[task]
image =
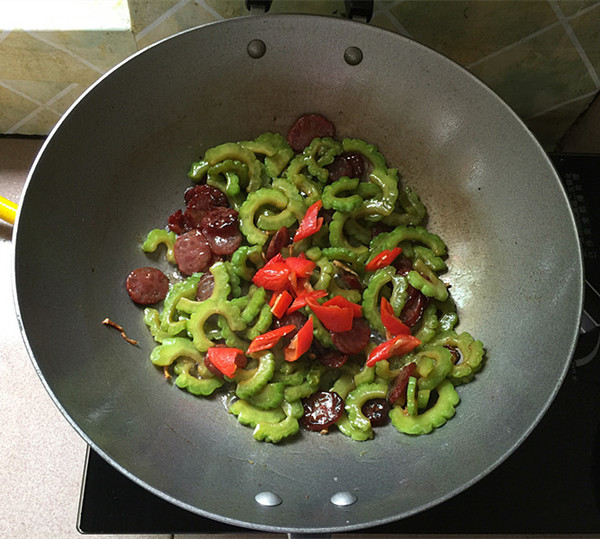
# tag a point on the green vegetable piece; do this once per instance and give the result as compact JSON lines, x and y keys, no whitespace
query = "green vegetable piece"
{"x":251,"y":415}
{"x":258,"y":297}
{"x":419,"y":234}
{"x":320,"y":153}
{"x":152,"y":320}
{"x":427,"y":281}
{"x":262,"y":324}
{"x":203,"y":312}
{"x":275,"y":432}
{"x":322,"y":334}
{"x":355,"y":400}
{"x":346,"y":256}
{"x":320,"y":279}
{"x":368,"y":190}
{"x":270,"y":396}
{"x":303,"y":183}
{"x":231,"y":338}
{"x":355,"y":296}
{"x":276,"y":149}
{"x":222,"y":289}
{"x":386,"y":179}
{"x":409,"y":201}
{"x":471,"y":355}
{"x":308,"y":387}
{"x":343,"y":385}
{"x":236,"y":152}
{"x":366,"y":375}
{"x":423,"y":398}
{"x":333,"y":200}
{"x":198,"y":170}
{"x":358,"y":231}
{"x":229,"y":176}
{"x":243,"y":257}
{"x":429,"y":324}
{"x":434,"y":363}
{"x":160,"y":236}
{"x":170,"y":318}
{"x":371,"y":295}
{"x":261,"y":375}
{"x":173,"y":348}
{"x":412,"y":407}
{"x":265,"y":197}
{"x":205,"y":385}
{"x":345,"y":427}
{"x":434,"y":417}
{"x":425,"y":254}
{"x":337,"y":236}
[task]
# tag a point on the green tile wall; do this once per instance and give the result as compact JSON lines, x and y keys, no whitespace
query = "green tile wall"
{"x":541,"y":56}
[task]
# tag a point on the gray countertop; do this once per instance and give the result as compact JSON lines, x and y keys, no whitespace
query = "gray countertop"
{"x":43,"y":456}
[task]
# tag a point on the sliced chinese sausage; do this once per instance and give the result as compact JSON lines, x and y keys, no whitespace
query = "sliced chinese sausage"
{"x":376,"y":411}
{"x":206,"y":287}
{"x":280,"y":239}
{"x":205,"y":197}
{"x":192,"y":252}
{"x":355,"y":340}
{"x":349,"y":164}
{"x":220,"y":227}
{"x":332,"y":358}
{"x":321,"y":410}
{"x":308,"y":127}
{"x":146,"y":286}
{"x":177,"y":223}
{"x":413,"y":308}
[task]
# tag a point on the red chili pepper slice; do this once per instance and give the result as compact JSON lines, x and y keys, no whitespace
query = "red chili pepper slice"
{"x":391,"y":322}
{"x":226,"y":360}
{"x":311,"y":223}
{"x":334,"y":318}
{"x":398,"y":346}
{"x":281,"y":303}
{"x":300,"y":343}
{"x":272,"y":276}
{"x":300,"y":301}
{"x":300,"y":265}
{"x":269,"y":339}
{"x":341,"y":301}
{"x":383,"y":259}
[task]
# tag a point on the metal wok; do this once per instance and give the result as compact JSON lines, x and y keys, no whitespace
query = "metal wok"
{"x":116,"y":166}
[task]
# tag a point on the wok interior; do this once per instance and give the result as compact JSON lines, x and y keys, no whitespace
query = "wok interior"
{"x":118,"y":165}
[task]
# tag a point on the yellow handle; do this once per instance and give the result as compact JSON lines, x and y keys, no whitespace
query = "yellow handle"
{"x":8,"y":210}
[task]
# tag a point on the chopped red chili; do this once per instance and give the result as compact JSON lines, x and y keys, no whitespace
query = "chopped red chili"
{"x":282,"y":300}
{"x":226,"y":360}
{"x":311,"y":223}
{"x":397,"y":346}
{"x":334,"y":318}
{"x":383,"y":259}
{"x":300,"y":343}
{"x":393,"y":325}
{"x":341,"y":301}
{"x":269,"y":339}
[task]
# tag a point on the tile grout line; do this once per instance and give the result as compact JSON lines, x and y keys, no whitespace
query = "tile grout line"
{"x":562,"y":104}
{"x":160,"y":19}
{"x":576,"y":43}
{"x":47,"y":41}
{"x":41,"y":107}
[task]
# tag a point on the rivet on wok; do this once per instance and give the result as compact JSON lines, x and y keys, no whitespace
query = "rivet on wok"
{"x":256,"y":49}
{"x":343,"y":498}
{"x":268,"y":499}
{"x":353,"y":56}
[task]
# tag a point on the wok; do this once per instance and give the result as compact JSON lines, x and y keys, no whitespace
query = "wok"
{"x":115,"y":167}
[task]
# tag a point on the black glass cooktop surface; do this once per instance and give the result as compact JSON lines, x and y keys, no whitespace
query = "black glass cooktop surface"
{"x":551,"y":484}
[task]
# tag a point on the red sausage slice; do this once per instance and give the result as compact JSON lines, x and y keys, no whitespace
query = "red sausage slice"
{"x":355,"y":340}
{"x":220,"y":227}
{"x":146,"y":286}
{"x":192,"y":252}
{"x":308,"y":127}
